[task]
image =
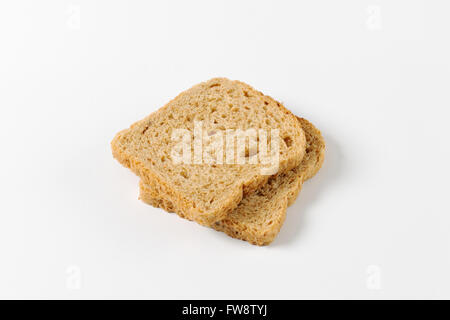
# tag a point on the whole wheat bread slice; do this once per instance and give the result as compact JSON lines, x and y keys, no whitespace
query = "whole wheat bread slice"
{"x":203,"y":192}
{"x":259,"y":216}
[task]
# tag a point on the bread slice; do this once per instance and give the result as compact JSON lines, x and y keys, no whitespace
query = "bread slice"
{"x":207,"y":192}
{"x":259,"y":217}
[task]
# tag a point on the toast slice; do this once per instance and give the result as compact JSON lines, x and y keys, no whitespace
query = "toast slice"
{"x":259,"y":217}
{"x":207,"y":191}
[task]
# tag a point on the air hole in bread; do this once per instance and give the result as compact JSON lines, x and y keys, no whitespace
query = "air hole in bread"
{"x":184,"y":174}
{"x":287,"y":141}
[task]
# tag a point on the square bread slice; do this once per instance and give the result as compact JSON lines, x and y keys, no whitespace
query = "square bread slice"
{"x":259,"y":216}
{"x":203,"y":191}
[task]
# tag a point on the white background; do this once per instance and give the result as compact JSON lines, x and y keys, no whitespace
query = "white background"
{"x":374,"y":76}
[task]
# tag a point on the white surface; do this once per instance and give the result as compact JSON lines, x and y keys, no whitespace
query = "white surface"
{"x":374,"y":76}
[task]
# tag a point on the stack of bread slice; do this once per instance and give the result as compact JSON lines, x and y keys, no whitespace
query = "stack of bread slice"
{"x":230,"y":189}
